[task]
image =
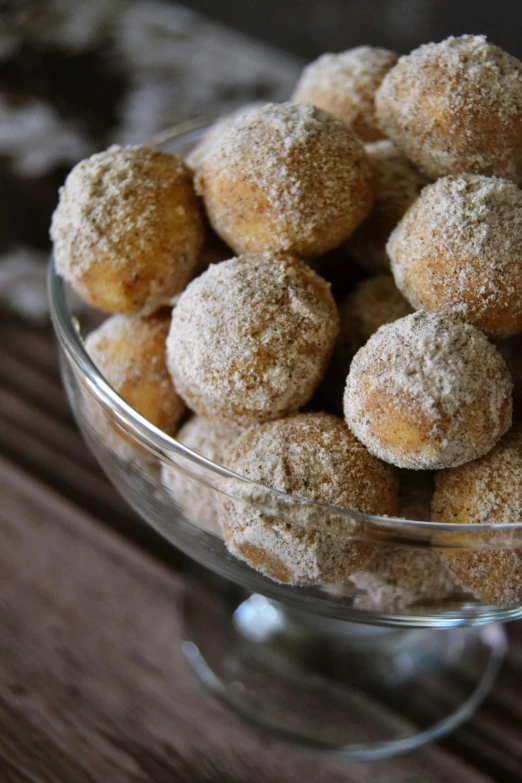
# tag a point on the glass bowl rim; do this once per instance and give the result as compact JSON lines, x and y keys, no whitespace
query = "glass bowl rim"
{"x":161,"y":445}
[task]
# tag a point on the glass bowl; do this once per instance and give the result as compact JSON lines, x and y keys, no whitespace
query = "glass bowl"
{"x":377,"y":665}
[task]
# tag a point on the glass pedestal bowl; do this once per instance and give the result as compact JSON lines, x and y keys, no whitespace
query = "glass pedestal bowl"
{"x":375,"y":666}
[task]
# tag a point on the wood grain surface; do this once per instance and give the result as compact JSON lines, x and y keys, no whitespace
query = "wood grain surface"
{"x":93,"y":685}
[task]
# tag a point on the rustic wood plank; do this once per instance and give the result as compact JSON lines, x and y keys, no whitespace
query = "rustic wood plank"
{"x":47,"y":428}
{"x":86,"y":488}
{"x":37,"y":345}
{"x":27,"y":380}
{"x":59,"y":468}
{"x":93,"y":686}
{"x":491,"y":741}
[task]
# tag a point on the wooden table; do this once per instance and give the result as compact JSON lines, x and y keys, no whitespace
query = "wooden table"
{"x":93,"y":686}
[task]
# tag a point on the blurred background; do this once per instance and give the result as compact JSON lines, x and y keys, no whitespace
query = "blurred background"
{"x":308,"y":28}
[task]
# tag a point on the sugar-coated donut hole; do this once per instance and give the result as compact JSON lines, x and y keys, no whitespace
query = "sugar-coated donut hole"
{"x":129,"y":351}
{"x":428,"y":392}
{"x":210,"y":440}
{"x":251,"y":338}
{"x":487,"y":490}
{"x":128,"y":230}
{"x":285,"y":177}
{"x":344,"y":84}
{"x":372,"y":303}
{"x":455,"y":107}
{"x":398,"y":578}
{"x":458,"y":251}
{"x":313,"y":456}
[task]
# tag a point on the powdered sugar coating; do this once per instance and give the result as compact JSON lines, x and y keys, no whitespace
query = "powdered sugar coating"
{"x":397,"y":185}
{"x":455,"y":107}
{"x":312,"y":456}
{"x":197,"y":155}
{"x":210,"y":439}
{"x":285,"y":177}
{"x":344,"y":84}
{"x":250,"y":338}
{"x":458,"y":251}
{"x":484,"y":491}
{"x":127,"y":231}
{"x":129,"y":351}
{"x":428,"y":392}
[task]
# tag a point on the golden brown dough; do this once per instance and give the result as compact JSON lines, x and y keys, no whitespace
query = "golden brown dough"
{"x":129,"y":351}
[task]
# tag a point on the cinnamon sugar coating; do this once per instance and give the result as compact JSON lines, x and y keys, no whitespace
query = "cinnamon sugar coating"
{"x":312,"y":456}
{"x":251,"y":338}
{"x":205,"y":144}
{"x":455,"y":107}
{"x":487,"y":490}
{"x":428,"y":392}
{"x":209,"y":439}
{"x":344,"y":84}
{"x":129,"y":351}
{"x":458,"y":251}
{"x":397,"y":185}
{"x":285,"y":177}
{"x":128,"y":231}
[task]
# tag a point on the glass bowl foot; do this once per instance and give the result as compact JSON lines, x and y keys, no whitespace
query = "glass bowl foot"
{"x":354,"y":690}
